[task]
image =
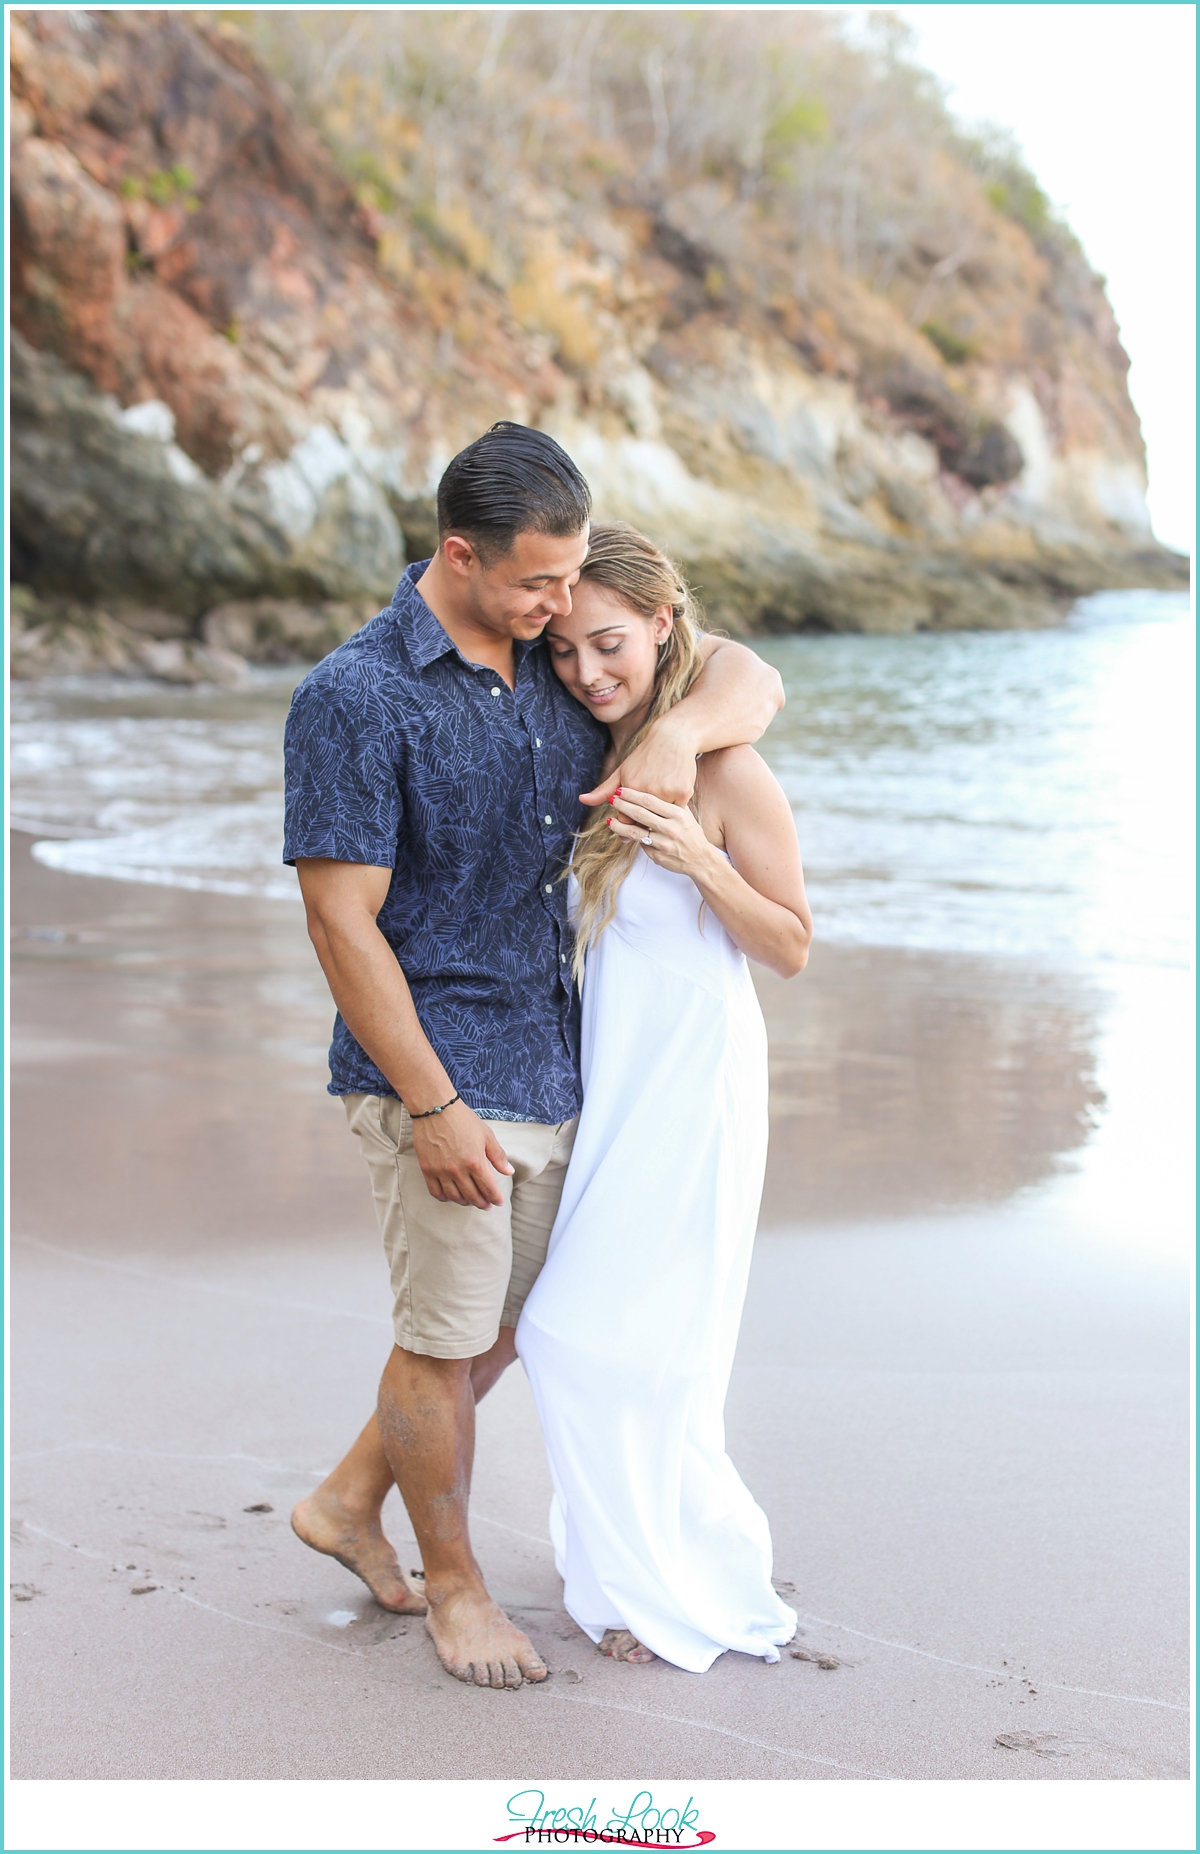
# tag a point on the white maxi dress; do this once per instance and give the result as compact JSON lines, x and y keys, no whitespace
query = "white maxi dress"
{"x":628,"y":1335}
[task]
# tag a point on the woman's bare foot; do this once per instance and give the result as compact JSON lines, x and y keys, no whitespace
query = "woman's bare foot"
{"x":324,"y":1522}
{"x":620,"y":1645}
{"x":475,"y":1641}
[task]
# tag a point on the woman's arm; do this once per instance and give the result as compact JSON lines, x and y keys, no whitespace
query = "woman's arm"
{"x":758,"y":896}
{"x":733,"y":700}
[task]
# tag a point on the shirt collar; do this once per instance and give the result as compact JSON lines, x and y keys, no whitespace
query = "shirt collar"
{"x":426,"y":639}
{"x":423,"y":635}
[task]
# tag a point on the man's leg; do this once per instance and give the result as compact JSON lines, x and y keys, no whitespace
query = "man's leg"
{"x":474,"y":1638}
{"x":343,"y":1516}
{"x":489,"y":1367}
{"x":446,"y":1263}
{"x":427,"y":1423}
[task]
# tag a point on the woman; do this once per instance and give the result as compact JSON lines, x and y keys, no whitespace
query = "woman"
{"x":629,"y":1333}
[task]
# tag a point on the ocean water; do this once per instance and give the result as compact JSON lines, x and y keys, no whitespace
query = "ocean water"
{"x":1020,"y":793}
{"x":1000,"y":792}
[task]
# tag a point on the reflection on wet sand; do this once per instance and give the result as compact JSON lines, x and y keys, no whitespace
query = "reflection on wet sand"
{"x":183,"y":1035}
{"x":180,"y":1037}
{"x":905,"y":1081}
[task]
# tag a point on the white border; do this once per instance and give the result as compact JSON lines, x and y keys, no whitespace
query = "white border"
{"x":457,"y":1814}
{"x":411,"y":1815}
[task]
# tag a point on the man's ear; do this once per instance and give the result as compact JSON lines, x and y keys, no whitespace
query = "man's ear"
{"x":458,"y":553}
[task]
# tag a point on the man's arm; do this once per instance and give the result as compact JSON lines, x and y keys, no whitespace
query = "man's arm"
{"x":458,"y":1154}
{"x":731,"y":704}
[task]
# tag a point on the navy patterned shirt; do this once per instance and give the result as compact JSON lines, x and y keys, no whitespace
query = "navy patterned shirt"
{"x":401,"y":754}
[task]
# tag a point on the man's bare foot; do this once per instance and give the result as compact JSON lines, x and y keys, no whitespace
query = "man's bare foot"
{"x":475,"y":1641}
{"x":323,"y":1522}
{"x":620,"y":1645}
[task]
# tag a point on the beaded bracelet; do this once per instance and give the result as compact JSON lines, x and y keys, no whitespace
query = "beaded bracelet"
{"x":435,"y":1110}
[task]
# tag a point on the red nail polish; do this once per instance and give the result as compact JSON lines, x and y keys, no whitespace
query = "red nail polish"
{"x":620,"y":789}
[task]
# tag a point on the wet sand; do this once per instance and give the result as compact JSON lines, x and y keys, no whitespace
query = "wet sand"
{"x":965,"y":1416}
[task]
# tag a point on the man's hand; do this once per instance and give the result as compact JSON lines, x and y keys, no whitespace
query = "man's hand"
{"x":459,"y":1157}
{"x":665,"y":764}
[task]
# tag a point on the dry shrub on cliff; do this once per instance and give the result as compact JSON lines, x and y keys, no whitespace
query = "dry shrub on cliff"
{"x":782,"y":155}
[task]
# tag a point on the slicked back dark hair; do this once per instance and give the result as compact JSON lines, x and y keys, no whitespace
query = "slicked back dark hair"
{"x":513,"y":480}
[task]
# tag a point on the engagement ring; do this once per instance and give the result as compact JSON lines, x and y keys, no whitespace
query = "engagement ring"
{"x":647,"y":840}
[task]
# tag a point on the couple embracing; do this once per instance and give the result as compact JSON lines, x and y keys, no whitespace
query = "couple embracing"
{"x":550,"y":1049}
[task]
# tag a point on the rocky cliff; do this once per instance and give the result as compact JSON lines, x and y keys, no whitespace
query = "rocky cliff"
{"x":250,"y":329}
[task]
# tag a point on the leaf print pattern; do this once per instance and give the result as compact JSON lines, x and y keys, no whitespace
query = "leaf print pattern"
{"x":402,"y":755}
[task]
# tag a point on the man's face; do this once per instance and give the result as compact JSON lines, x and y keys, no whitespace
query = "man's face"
{"x":517,"y":595}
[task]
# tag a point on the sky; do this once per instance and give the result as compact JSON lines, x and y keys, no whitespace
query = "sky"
{"x":1101,"y":99}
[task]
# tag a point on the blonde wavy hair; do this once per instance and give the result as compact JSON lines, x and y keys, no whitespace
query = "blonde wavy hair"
{"x":628,"y":565}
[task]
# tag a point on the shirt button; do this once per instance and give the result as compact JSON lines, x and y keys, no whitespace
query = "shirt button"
{"x":549,"y":888}
{"x":549,"y":819}
{"x":537,"y":743}
{"x":495,"y":691}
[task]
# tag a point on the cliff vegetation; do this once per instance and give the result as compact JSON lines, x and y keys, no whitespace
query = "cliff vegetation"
{"x":271,"y":269}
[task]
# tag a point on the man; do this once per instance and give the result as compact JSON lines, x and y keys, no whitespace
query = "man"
{"x":433,"y":769}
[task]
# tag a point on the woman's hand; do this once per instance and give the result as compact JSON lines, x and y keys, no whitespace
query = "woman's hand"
{"x":676,"y":840}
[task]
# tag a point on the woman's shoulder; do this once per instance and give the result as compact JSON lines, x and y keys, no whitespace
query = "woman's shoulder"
{"x":732,"y":770}
{"x":735,"y":783}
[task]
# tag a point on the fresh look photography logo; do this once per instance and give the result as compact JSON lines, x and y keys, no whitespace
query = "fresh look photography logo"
{"x":642,"y":1823}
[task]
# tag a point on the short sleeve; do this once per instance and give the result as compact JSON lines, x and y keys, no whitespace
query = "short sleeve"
{"x":342,"y":786}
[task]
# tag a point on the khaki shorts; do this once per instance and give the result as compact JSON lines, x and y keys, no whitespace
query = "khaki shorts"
{"x":459,"y":1274}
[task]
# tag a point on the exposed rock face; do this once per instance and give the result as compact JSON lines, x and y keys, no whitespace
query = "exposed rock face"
{"x":282,"y":630}
{"x":222,"y":392}
{"x":56,"y":636}
{"x":104,"y":501}
{"x":178,"y":242}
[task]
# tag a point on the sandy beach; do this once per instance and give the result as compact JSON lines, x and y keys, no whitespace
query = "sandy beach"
{"x":964,"y":1413}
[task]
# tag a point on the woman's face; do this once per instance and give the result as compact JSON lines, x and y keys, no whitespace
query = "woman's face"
{"x":606,"y":653}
